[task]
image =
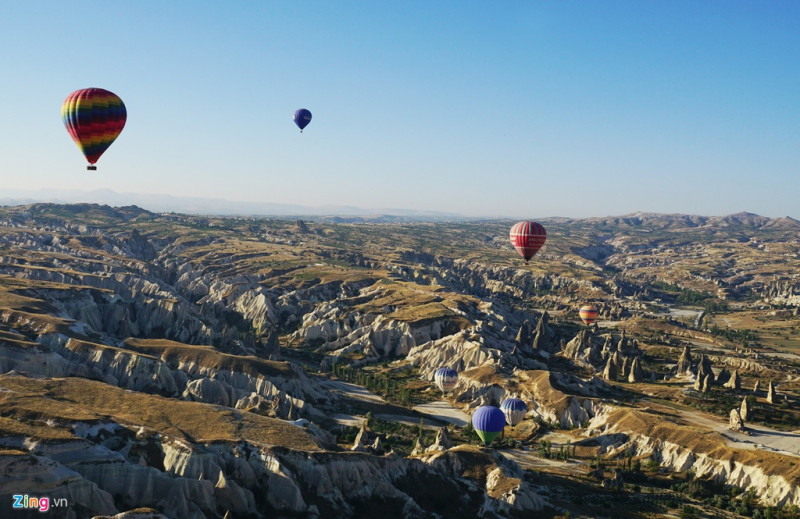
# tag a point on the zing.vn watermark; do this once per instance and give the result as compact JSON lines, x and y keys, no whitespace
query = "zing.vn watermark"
{"x":42,"y":504}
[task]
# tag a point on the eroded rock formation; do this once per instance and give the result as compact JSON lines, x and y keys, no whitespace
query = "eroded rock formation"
{"x":736,"y":422}
{"x":685,"y":361}
{"x":735,"y":382}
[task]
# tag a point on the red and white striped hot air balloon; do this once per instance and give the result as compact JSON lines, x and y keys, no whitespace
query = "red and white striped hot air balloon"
{"x":527,"y":238}
{"x":588,"y":314}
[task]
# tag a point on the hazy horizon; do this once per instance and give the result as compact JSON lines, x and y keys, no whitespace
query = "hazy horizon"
{"x":523,"y":110}
{"x":163,"y":202}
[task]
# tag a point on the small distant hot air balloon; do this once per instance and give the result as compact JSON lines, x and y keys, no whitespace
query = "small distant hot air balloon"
{"x":514,"y":409}
{"x":94,"y":118}
{"x":445,"y":379}
{"x":588,"y":314}
{"x":488,"y":421}
{"x":301,"y":118}
{"x":527,"y":238}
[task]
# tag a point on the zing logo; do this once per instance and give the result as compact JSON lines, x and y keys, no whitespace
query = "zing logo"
{"x":42,"y":504}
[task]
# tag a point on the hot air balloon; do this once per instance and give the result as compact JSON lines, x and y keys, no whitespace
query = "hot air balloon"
{"x":301,"y":118}
{"x":488,"y":421}
{"x":514,"y":409}
{"x":588,"y":314}
{"x":445,"y":379}
{"x":94,"y":119}
{"x":527,"y":238}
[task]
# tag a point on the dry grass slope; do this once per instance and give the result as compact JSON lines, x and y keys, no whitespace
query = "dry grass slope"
{"x":173,"y":353}
{"x":27,"y":406}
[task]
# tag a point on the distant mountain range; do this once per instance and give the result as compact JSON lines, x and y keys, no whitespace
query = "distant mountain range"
{"x":211,"y":206}
{"x":680,"y":221}
{"x":343,"y":213}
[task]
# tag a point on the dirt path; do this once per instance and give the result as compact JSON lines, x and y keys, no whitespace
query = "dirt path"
{"x":353,"y":391}
{"x":436,"y":412}
{"x":761,"y":438}
{"x":767,"y":354}
{"x":529,"y":460}
{"x":411,"y":421}
{"x":684,"y":312}
{"x":764,"y":438}
{"x":443,"y":410}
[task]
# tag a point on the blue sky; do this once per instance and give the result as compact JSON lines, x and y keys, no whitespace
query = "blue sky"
{"x":523,"y":109}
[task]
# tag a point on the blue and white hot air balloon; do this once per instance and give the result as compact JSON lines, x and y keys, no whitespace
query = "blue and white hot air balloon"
{"x":514,"y":409}
{"x":445,"y":379}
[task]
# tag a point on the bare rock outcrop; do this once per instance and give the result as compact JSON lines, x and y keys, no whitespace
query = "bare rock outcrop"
{"x":442,"y":442}
{"x":506,"y":490}
{"x":736,"y":423}
{"x":636,"y":374}
{"x":418,"y":448}
{"x":626,"y":366}
{"x":542,"y":324}
{"x":203,"y":374}
{"x":685,"y":361}
{"x":271,"y":348}
{"x":231,"y":496}
{"x":735,"y":382}
{"x":704,"y":368}
{"x":210,"y":391}
{"x":679,"y":447}
{"x":543,"y":336}
{"x":364,"y":441}
{"x":555,"y":396}
{"x":583,"y":350}
{"x":196,"y":481}
{"x":573,"y":348}
{"x":461,"y":351}
{"x":377,"y":446}
{"x":539,"y":342}
{"x":723,"y":377}
{"x":524,"y":335}
{"x":771,"y":393}
{"x":740,"y":363}
{"x":743,"y":410}
{"x":608,"y":347}
{"x":614,"y":483}
{"x":300,"y":227}
{"x":24,"y":472}
{"x":255,"y":403}
{"x":706,"y":385}
{"x":610,"y":371}
{"x":595,"y":356}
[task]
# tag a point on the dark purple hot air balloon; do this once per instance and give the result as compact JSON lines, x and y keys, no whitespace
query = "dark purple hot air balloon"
{"x":488,"y":421}
{"x":301,"y":118}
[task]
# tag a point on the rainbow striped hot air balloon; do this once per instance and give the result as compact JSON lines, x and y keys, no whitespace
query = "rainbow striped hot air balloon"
{"x":445,"y":379}
{"x":514,"y":409}
{"x":488,"y":421}
{"x":588,"y":314}
{"x":94,"y":119}
{"x":527,"y":238}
